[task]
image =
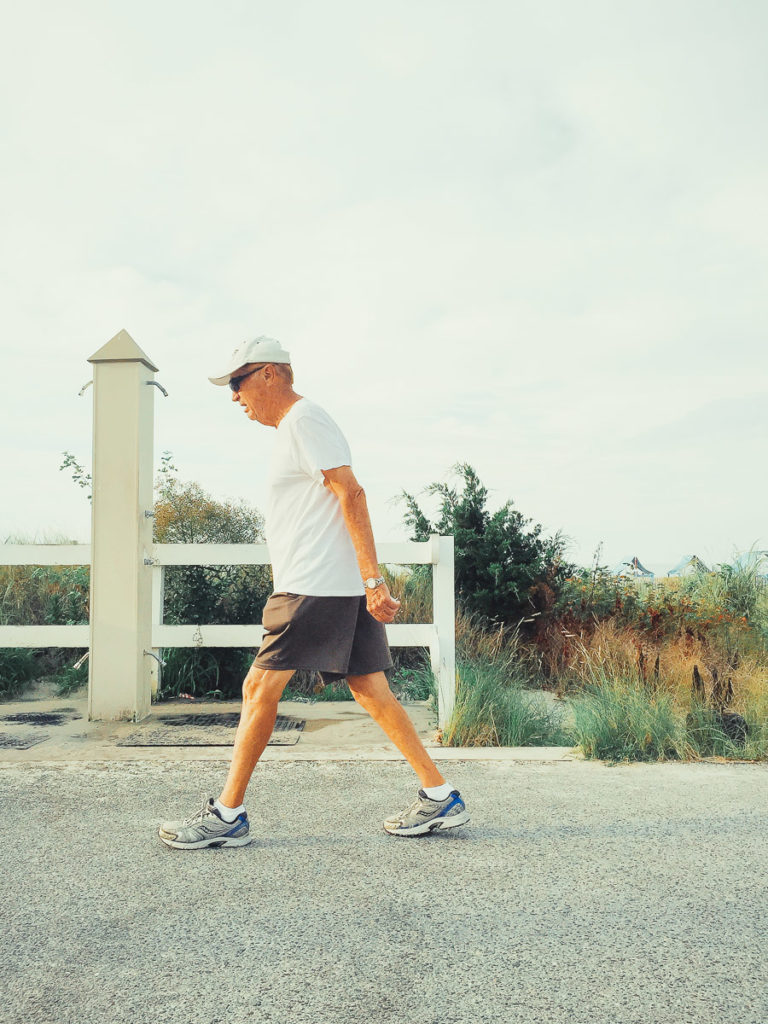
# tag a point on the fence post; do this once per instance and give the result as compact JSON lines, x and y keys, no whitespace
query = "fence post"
{"x":444,"y":617}
{"x":158,"y":600}
{"x":119,"y":685}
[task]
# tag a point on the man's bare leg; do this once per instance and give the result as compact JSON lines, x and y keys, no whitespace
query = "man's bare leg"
{"x":262,"y":690}
{"x":372,"y":692}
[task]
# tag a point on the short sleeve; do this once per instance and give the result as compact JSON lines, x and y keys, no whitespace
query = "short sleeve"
{"x":320,"y":445}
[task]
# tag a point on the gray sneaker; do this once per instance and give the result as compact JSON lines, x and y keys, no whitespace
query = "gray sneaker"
{"x":425,"y":815}
{"x":205,"y":828}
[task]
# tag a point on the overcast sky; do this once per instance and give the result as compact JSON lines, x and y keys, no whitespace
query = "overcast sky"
{"x":531,"y":236}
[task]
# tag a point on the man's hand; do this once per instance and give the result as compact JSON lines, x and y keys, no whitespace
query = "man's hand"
{"x":381,"y":605}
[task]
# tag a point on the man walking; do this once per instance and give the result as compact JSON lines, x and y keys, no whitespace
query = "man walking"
{"x":328,"y":608}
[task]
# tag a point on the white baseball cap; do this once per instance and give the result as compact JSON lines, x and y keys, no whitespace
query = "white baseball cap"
{"x":260,"y":350}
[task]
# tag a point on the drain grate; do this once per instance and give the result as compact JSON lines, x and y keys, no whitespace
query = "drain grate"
{"x":41,"y":717}
{"x":207,"y":730}
{"x":21,"y":742}
{"x":228,"y":718}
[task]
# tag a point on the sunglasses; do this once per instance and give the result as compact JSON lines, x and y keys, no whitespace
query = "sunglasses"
{"x":235,"y":382}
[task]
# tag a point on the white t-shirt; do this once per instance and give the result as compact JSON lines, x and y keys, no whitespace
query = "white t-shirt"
{"x":309,"y":545}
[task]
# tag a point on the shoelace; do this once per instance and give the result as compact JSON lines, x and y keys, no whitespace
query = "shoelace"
{"x":411,"y":807}
{"x":416,"y":805}
{"x":199,"y":815}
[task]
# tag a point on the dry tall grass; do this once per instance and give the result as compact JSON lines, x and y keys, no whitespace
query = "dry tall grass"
{"x":613,"y":651}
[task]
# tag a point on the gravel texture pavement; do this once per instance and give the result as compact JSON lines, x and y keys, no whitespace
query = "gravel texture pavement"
{"x":578,"y":893}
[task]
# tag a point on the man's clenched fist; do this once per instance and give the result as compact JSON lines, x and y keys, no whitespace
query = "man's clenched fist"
{"x":382,"y":606}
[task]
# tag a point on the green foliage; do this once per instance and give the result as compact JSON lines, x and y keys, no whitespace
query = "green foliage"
{"x":79,"y":475}
{"x":32,"y":595}
{"x":306,"y":686}
{"x":731,"y":605}
{"x":493,"y":708}
{"x":417,"y":683}
{"x":727,"y":608}
{"x":738,"y":589}
{"x":621,"y":718}
{"x":593,"y":594}
{"x":18,"y":666}
{"x":36,"y":595}
{"x":68,"y":679}
{"x":205,"y":672}
{"x":235,"y":594}
{"x":499,"y":556}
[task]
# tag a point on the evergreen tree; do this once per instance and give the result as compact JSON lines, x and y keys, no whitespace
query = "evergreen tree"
{"x":503,"y":564}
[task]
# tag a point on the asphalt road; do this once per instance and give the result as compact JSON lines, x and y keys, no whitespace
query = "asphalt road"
{"x":578,"y":893}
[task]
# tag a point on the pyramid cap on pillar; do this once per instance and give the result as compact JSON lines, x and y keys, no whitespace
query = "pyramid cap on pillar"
{"x":122,"y":349}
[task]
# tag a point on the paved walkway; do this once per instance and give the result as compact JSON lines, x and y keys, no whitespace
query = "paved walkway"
{"x":578,"y":894}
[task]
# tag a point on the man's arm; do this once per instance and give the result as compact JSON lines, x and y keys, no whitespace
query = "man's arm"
{"x":354,"y":508}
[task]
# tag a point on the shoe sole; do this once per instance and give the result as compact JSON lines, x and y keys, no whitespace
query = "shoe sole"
{"x":202,"y":843}
{"x":437,"y":825}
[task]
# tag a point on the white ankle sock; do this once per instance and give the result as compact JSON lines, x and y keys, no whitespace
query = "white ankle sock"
{"x":438,"y":792}
{"x":228,"y":813}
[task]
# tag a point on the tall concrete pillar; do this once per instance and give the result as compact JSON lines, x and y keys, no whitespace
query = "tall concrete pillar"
{"x":119,"y":684}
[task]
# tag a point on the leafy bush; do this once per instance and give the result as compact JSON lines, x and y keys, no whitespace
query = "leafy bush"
{"x":35,"y":595}
{"x":18,"y":666}
{"x":236,"y":594}
{"x":505,"y":570}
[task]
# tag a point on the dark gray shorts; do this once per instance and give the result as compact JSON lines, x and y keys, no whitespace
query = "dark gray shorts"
{"x":336,"y":636}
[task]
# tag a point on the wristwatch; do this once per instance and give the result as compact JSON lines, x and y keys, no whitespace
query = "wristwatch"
{"x":372,"y":582}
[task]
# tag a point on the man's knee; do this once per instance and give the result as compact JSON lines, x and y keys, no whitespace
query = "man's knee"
{"x":264,"y":684}
{"x":374,"y":686}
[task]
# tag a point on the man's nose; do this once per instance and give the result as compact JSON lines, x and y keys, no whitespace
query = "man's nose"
{"x":235,"y":396}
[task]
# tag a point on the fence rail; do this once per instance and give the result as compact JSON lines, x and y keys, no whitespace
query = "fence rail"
{"x":437,"y":635}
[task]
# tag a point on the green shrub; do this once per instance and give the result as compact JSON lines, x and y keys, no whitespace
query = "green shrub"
{"x":39,"y":595}
{"x":18,"y":666}
{"x":235,"y":594}
{"x":505,"y":570}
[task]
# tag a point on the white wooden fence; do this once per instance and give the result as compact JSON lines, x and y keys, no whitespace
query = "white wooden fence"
{"x":126,"y":630}
{"x":438,"y":636}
